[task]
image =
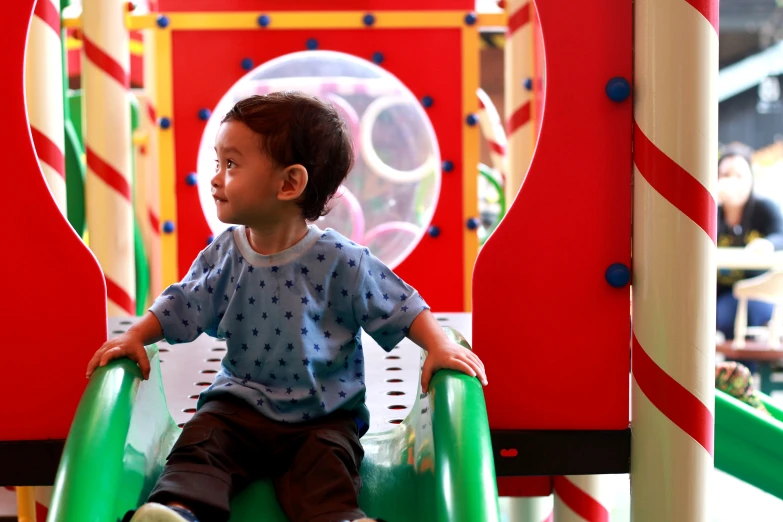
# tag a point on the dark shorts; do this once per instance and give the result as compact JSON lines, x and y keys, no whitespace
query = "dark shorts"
{"x":227,"y":444}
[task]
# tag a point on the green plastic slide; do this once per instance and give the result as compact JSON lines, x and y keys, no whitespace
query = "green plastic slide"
{"x":436,"y":466}
{"x":749,"y":443}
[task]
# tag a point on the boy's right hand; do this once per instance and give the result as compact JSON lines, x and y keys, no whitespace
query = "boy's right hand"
{"x":125,"y":345}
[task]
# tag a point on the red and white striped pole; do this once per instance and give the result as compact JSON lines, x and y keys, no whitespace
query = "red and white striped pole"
{"x":528,"y":509}
{"x":108,"y":147}
{"x":43,"y":86}
{"x":492,"y":129}
{"x":583,"y":498}
{"x":674,"y":272}
{"x":518,"y":64}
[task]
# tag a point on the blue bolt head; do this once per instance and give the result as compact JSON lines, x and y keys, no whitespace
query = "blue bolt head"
{"x":369,"y":19}
{"x":617,"y":275}
{"x":162,"y":21}
{"x":427,"y":101}
{"x":528,"y":84}
{"x":191,"y":179}
{"x":168,"y":227}
{"x":618,"y":89}
{"x":377,"y":58}
{"x":312,"y":44}
{"x":263,"y":20}
{"x":473,"y":223}
{"x":471,"y":18}
{"x":447,"y":166}
{"x":164,"y":122}
{"x":247,"y":64}
{"x":204,"y":114}
{"x":434,"y":231}
{"x":471,"y":119}
{"x":210,"y":239}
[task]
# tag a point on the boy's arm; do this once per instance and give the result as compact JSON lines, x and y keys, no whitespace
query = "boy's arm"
{"x":146,"y":330}
{"x":442,"y":353}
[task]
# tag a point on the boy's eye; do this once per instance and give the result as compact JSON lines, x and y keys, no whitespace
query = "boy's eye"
{"x":229,"y":164}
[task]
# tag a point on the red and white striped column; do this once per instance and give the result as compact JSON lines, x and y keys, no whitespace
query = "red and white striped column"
{"x":674,"y":240}
{"x":492,"y":129}
{"x":528,"y":509}
{"x":584,"y":498}
{"x":108,"y":146}
{"x":518,"y":66}
{"x":43,"y":86}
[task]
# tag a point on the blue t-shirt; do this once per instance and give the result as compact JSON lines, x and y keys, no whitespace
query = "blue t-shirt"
{"x":291,"y":320}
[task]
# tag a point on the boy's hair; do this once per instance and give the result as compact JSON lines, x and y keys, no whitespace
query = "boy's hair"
{"x":301,"y":129}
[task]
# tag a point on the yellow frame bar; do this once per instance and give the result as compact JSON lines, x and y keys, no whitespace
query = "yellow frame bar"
{"x":166,"y":160}
{"x":306,"y":20}
{"x":470,"y":156}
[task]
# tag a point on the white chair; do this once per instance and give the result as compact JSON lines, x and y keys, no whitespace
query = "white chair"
{"x":767,"y":287}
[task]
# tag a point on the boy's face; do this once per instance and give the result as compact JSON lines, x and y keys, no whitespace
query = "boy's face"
{"x":246,"y":181}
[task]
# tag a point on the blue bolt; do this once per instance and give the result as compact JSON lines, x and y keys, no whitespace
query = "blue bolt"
{"x":434,"y":231}
{"x":471,"y":18}
{"x":617,"y":275}
{"x":377,"y":57}
{"x":162,"y":21}
{"x":369,"y":19}
{"x":471,"y":119}
{"x":247,"y":63}
{"x":427,"y":101}
{"x":447,"y":166}
{"x":528,"y":84}
{"x":210,"y":239}
{"x":473,"y":223}
{"x":204,"y":114}
{"x":312,"y":44}
{"x":263,"y":20}
{"x":618,"y":89}
{"x":191,"y":179}
{"x":168,"y":227}
{"x":164,"y":123}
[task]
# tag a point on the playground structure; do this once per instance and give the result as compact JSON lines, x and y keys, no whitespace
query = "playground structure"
{"x":562,"y":445}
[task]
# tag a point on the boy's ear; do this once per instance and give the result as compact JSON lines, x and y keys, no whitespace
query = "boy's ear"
{"x":294,"y":182}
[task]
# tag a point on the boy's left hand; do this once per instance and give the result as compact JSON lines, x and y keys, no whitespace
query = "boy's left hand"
{"x":451,"y":356}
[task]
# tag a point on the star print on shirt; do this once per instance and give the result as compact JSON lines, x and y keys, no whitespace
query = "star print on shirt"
{"x":290,"y":347}
{"x":244,"y":347}
{"x":275,"y":268}
{"x":240,"y":317}
{"x":166,"y":313}
{"x":319,"y":288}
{"x":277,"y":331}
{"x":289,"y":283}
{"x":257,"y":362}
{"x":305,"y":301}
{"x":262,"y":284}
{"x":288,"y":315}
{"x":255,"y":332}
{"x":282,"y":362}
{"x":263,"y":316}
{"x":275,"y":299}
{"x":351,"y":263}
{"x":383,"y":276}
{"x":305,"y":362}
{"x":289,"y":391}
{"x":185,"y":322}
{"x":316,"y":317}
{"x":305,"y":270}
{"x":321,"y":257}
{"x":368,"y":295}
{"x":344,"y":292}
{"x":304,"y":331}
{"x":267,"y":347}
{"x":327,"y":334}
{"x":252,"y":301}
{"x":342,"y":395}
